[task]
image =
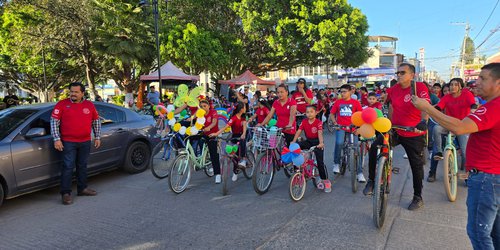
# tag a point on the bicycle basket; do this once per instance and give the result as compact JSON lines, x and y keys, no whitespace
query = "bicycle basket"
{"x":264,"y":138}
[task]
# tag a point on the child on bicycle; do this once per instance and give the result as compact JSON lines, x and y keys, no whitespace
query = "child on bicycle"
{"x":238,"y":126}
{"x":373,"y":102}
{"x":261,"y":112}
{"x":313,"y":128}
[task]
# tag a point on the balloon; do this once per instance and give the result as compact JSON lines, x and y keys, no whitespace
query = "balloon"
{"x":235,"y":148}
{"x":198,"y":126}
{"x":287,"y":158}
{"x":367,"y":131}
{"x":170,"y":115}
{"x":194,"y":131}
{"x":156,"y":112}
{"x":356,"y":119}
{"x":369,"y":115}
{"x":298,"y":161}
{"x":229,"y":149}
{"x":272,"y":122}
{"x":200,"y":113}
{"x":201,"y":120}
{"x":188,"y":130}
{"x":182,"y":130}
{"x":379,"y":113}
{"x":177,"y":127}
{"x":228,"y":129}
{"x":382,"y":124}
{"x":171,"y":122}
{"x":170,"y":108}
{"x":154,"y":107}
{"x":184,"y":113}
{"x":295,"y":148}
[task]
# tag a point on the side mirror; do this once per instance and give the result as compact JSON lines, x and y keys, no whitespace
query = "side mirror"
{"x":35,"y":132}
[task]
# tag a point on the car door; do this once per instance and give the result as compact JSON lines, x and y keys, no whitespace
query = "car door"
{"x":113,"y":137}
{"x":36,"y":162}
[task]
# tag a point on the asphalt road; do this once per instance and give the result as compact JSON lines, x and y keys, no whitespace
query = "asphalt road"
{"x":140,"y":212}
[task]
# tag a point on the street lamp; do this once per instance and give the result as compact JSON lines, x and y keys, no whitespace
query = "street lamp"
{"x":143,"y":3}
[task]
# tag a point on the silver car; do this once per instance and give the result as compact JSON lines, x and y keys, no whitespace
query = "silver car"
{"x":29,"y":162}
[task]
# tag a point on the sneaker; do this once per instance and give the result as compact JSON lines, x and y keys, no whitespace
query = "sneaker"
{"x":328,"y":186}
{"x":431,"y":178}
{"x":321,"y":185}
{"x":368,"y":188}
{"x":336,"y":169}
{"x":405,"y":156}
{"x":235,"y":177}
{"x":416,"y":203}
{"x":217,"y":179}
{"x":438,"y":156}
{"x":242,"y":163}
{"x":361,"y":178}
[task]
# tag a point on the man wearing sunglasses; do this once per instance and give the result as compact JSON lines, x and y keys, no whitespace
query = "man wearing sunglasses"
{"x":403,"y":113}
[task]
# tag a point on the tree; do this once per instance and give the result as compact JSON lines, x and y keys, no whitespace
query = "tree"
{"x":470,"y":51}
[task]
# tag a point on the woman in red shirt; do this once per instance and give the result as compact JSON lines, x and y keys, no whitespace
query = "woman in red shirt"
{"x":286,"y":110}
{"x":303,"y":96}
{"x":210,"y":126}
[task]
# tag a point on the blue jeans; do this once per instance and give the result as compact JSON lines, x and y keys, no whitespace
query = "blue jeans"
{"x":74,"y":154}
{"x":339,"y":143}
{"x":483,"y":201}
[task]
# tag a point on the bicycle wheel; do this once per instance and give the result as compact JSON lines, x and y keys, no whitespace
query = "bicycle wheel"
{"x":379,"y":192}
{"x":344,"y":161}
{"x":264,"y":173}
{"x":180,"y":174}
{"x":449,"y":175}
{"x":208,"y":168}
{"x":353,"y":166}
{"x":297,"y":186}
{"x":250,"y":168}
{"x":226,"y":170}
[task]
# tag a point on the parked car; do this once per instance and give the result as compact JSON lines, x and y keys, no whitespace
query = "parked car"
{"x":29,"y":162}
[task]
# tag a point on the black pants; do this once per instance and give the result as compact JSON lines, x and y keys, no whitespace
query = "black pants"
{"x":288,"y":139}
{"x":242,"y":148}
{"x":319,"y":156}
{"x":414,"y":147}
{"x":214,"y":154}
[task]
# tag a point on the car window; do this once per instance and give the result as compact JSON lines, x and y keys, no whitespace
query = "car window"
{"x":110,"y":115}
{"x":10,"y":119}
{"x":43,"y":121}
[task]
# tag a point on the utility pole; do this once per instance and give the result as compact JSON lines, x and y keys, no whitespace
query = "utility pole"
{"x":462,"y":61}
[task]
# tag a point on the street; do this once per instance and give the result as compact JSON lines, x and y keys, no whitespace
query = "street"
{"x":140,"y":212}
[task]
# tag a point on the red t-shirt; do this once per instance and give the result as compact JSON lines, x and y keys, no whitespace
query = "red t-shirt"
{"x":301,"y":101}
{"x":261,"y":114}
{"x":192,"y":110}
{"x":76,"y":119}
{"x":283,"y":114}
{"x":404,"y":113}
{"x":320,"y":105}
{"x":364,"y":99}
{"x":209,"y":118}
{"x":457,"y":107}
{"x":311,"y":129}
{"x":483,"y":146}
{"x":236,"y":125}
{"x":343,"y":110}
{"x":376,"y":105}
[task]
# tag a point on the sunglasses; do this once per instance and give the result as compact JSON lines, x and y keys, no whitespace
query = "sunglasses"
{"x":401,"y":73}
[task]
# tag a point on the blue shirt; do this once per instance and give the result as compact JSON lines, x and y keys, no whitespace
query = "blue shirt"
{"x":154,"y":97}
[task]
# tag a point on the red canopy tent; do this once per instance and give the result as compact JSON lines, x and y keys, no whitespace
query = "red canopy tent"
{"x":247,"y":78}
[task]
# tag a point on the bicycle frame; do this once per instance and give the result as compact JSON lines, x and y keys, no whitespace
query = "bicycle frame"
{"x":451,"y":146}
{"x":385,"y":150}
{"x":198,"y":162}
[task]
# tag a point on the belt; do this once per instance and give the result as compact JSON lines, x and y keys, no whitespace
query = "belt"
{"x":475,"y":171}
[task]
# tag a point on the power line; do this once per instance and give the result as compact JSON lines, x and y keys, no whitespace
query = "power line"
{"x":484,"y":25}
{"x":488,"y":37}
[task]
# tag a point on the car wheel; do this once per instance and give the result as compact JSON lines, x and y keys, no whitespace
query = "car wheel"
{"x":137,"y":157}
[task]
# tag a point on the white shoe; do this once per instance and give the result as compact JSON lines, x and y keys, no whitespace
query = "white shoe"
{"x":235,"y":177}
{"x":336,"y":168}
{"x":361,"y":178}
{"x":243,"y":163}
{"x":405,"y":156}
{"x":217,"y":179}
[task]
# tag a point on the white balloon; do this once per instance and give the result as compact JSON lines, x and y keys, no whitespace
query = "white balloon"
{"x":194,"y":131}
{"x":170,"y":108}
{"x":171,"y":122}
{"x":201,"y":120}
{"x":182,"y":131}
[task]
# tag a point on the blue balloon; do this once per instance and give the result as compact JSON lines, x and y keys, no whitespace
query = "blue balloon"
{"x":294,"y":146}
{"x":287,"y":158}
{"x":298,"y":161}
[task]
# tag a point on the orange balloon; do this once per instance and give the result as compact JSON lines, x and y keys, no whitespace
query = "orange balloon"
{"x":382,"y":124}
{"x":356,"y":119}
{"x":366,"y":130}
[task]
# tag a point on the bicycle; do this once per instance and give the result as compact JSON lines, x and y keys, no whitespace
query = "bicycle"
{"x":229,"y":162}
{"x":169,"y":144}
{"x":307,"y":171}
{"x":383,"y":174}
{"x":349,"y":155}
{"x":450,"y":168}
{"x":268,"y":142}
{"x":180,"y":175}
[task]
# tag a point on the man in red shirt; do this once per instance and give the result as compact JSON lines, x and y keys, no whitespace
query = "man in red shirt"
{"x":71,"y":123}
{"x":340,"y":114}
{"x":405,"y":114}
{"x":483,"y":158}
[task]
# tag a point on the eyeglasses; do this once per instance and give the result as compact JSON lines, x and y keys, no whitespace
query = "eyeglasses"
{"x":401,"y":73}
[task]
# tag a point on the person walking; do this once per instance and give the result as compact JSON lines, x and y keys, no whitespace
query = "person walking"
{"x":71,"y":123}
{"x":483,"y":157}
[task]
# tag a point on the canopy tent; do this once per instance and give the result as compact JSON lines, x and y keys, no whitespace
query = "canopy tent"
{"x":169,"y":72}
{"x":247,"y":78}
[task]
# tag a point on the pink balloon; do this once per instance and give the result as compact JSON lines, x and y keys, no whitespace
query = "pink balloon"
{"x":369,"y":115}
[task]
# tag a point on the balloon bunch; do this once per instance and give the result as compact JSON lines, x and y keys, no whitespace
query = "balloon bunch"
{"x":231,"y":149}
{"x":192,"y":130}
{"x":369,"y":120}
{"x":293,"y":155}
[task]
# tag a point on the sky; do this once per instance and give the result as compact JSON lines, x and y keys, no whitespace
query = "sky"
{"x":428,"y":24}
